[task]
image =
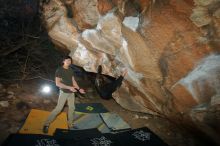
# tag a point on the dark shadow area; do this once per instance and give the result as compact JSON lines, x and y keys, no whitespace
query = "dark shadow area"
{"x":26,"y":49}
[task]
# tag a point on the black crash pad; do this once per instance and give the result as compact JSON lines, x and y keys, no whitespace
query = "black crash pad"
{"x":76,"y":134}
{"x":136,"y":137}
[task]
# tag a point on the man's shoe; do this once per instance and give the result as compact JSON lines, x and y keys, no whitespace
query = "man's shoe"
{"x":45,"y":129}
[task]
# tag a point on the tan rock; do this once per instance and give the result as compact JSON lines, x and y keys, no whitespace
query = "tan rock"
{"x":86,"y":13}
{"x":159,"y":51}
{"x":215,"y":100}
{"x":217,"y":13}
{"x":170,"y":55}
{"x":204,"y":2}
{"x":4,"y":103}
{"x":200,"y":16}
{"x":138,"y":55}
{"x":100,"y":46}
{"x":184,"y":100}
{"x":203,"y":81}
{"x":60,"y":28}
{"x":104,"y":6}
{"x":68,"y":2}
{"x":128,"y":99}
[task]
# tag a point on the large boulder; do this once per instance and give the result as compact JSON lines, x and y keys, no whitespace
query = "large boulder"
{"x":170,"y":49}
{"x":60,"y":28}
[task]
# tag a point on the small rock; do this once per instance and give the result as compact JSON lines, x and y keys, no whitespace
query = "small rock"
{"x":144,"y":117}
{"x":136,"y":117}
{"x":31,"y":102}
{"x":203,"y":2}
{"x":46,"y":101}
{"x":10,"y":93}
{"x":200,"y":16}
{"x":147,"y":125}
{"x":215,"y":100}
{"x":4,"y":103}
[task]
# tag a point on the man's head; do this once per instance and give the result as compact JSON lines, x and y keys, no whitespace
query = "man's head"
{"x":67,"y":61}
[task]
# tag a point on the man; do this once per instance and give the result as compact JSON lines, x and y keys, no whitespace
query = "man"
{"x":65,"y":81}
{"x":104,"y":88}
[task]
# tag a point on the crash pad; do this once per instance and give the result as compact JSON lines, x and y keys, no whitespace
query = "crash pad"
{"x":90,"y":108}
{"x":76,"y":134}
{"x":136,"y":137}
{"x":104,"y":122}
{"x":36,"y":118}
{"x":32,"y":140}
{"x":114,"y":122}
{"x":90,"y":120}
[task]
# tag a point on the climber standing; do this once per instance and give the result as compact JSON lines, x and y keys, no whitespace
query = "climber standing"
{"x":104,"y":88}
{"x":64,"y":79}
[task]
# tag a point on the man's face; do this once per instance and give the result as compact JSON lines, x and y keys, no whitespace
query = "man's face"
{"x":67,"y":62}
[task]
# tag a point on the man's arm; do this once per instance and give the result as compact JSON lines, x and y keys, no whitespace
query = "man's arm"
{"x":75,"y":85}
{"x":63,"y":86}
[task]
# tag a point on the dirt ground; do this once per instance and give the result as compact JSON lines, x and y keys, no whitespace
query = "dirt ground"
{"x":29,"y":97}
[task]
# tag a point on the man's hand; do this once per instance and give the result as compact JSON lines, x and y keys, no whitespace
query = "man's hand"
{"x":82,"y":91}
{"x":72,"y":89}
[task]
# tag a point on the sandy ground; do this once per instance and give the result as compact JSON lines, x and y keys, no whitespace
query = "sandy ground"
{"x":28,"y":97}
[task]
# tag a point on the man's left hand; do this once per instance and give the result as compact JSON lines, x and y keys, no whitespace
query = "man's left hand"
{"x":82,"y":91}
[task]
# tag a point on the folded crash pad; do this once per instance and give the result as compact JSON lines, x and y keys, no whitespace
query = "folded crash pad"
{"x":36,"y":118}
{"x":90,"y":120}
{"x":104,"y":122}
{"x":114,"y":122}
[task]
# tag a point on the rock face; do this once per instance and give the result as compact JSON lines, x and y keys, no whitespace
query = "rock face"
{"x":170,"y":49}
{"x":86,"y":13}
